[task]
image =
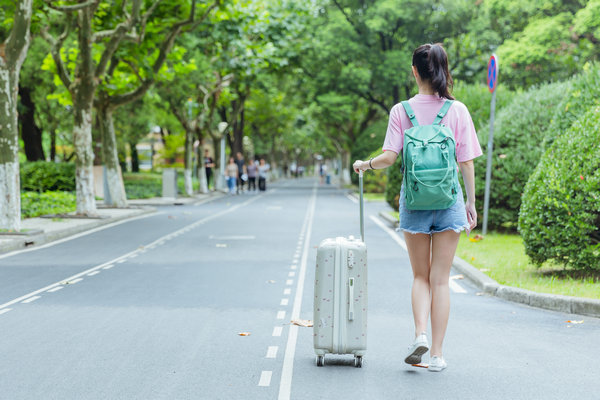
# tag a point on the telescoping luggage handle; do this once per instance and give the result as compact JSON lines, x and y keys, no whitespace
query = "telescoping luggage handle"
{"x":362,"y":219}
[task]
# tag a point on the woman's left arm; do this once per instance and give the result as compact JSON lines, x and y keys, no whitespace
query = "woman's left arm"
{"x":467,"y":169}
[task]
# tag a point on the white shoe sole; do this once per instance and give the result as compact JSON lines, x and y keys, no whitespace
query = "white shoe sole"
{"x":415,"y":356}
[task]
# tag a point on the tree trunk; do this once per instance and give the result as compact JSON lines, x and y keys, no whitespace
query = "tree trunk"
{"x":30,"y":132}
{"x":203,"y":183}
{"x":53,"y":145}
{"x":82,"y":93}
{"x":135,"y":160}
{"x":12,"y":54}
{"x":187,"y":172}
{"x":110,"y":158}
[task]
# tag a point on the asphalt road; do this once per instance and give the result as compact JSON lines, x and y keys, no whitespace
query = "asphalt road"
{"x":153,"y":308}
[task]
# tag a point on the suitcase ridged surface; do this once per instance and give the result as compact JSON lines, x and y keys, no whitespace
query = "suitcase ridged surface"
{"x":340,"y":278}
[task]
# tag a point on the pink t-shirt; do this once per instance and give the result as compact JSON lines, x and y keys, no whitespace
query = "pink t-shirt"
{"x":426,"y":108}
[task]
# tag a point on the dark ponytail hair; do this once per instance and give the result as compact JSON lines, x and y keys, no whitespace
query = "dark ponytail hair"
{"x":431,"y":62}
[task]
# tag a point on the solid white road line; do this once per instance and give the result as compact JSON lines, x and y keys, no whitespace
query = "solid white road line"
{"x":5,"y":311}
{"x":277,"y":330}
{"x":73,"y":279}
{"x":285,"y":385}
{"x":31,"y":299}
{"x":390,"y":232}
{"x":265,"y":378}
{"x":100,"y":228}
{"x":272,"y":352}
{"x":56,"y":289}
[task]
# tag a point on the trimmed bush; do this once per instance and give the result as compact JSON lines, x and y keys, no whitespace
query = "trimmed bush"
{"x":392,"y":190}
{"x":477,"y":99}
{"x":34,"y":204}
{"x":521,"y":132}
{"x":560,"y":215}
{"x":375,"y":181}
{"x":42,"y":176}
{"x":142,"y":186}
{"x":584,"y":94}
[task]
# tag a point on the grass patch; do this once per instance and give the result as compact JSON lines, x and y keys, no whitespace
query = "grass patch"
{"x":502,"y":257}
{"x":34,"y":204}
{"x":374,"y":196}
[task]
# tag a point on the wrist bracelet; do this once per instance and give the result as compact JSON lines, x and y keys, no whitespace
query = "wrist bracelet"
{"x":370,"y":165}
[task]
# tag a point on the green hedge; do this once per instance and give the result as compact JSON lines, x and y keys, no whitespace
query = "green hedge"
{"x":142,"y":185}
{"x":34,"y":204}
{"x":521,"y":131}
{"x":584,"y":94}
{"x":560,"y":215}
{"x":477,"y":98}
{"x":375,"y":181}
{"x":392,"y":190}
{"x":42,"y":176}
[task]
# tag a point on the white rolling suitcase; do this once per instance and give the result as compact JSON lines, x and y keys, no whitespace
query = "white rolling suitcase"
{"x":340,"y":303}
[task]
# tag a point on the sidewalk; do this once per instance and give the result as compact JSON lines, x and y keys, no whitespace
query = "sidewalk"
{"x":566,"y":304}
{"x":45,"y":230}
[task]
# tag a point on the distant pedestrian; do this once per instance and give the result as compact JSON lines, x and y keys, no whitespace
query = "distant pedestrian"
{"x":252,"y":170}
{"x":431,"y":234}
{"x":209,"y":164}
{"x":231,"y":173}
{"x":263,"y":168}
{"x":241,"y":164}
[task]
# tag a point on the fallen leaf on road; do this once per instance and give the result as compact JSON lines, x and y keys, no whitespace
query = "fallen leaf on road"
{"x":172,"y":217}
{"x":574,"y":322}
{"x":302,"y":322}
{"x":420,"y":365}
{"x":244,"y":334}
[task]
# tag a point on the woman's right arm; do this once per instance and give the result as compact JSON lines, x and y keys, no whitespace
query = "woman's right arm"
{"x":382,"y":161}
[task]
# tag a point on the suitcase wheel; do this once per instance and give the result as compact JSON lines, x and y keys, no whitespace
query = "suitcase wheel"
{"x":358,"y":361}
{"x":320,"y":361}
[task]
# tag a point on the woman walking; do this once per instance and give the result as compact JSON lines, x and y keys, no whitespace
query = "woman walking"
{"x":431,"y":235}
{"x":231,"y":173}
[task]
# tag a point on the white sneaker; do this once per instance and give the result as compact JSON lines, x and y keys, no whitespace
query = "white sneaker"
{"x":436,"y":364}
{"x":417,"y":349}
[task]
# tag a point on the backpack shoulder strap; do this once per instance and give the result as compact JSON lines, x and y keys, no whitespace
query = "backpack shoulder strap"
{"x":442,"y":112}
{"x":410,"y":113}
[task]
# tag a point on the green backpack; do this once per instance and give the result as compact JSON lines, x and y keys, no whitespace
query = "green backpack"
{"x":429,"y":163}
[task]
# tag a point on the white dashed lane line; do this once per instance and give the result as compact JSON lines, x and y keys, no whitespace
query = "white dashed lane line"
{"x":31,"y":299}
{"x":56,"y":289}
{"x":265,"y":378}
{"x":277,"y":331}
{"x":272,"y":352}
{"x":281,"y":314}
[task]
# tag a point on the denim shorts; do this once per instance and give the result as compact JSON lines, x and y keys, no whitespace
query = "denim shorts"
{"x":433,"y":221}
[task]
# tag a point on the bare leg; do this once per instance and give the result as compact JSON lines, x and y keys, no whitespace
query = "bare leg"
{"x":443,"y":248}
{"x":419,"y":245}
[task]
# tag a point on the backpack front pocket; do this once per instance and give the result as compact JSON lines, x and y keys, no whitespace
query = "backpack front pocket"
{"x":431,"y":189}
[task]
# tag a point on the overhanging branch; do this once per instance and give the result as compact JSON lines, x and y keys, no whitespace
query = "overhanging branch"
{"x":72,"y":8}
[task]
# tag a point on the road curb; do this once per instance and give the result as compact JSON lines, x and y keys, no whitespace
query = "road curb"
{"x":43,"y":238}
{"x":554,"y":302}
